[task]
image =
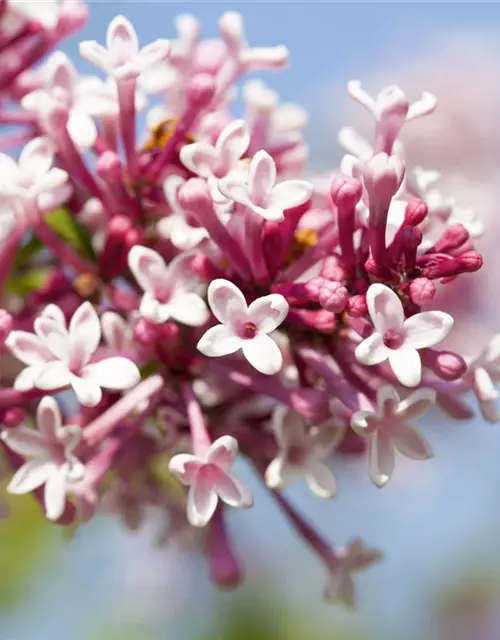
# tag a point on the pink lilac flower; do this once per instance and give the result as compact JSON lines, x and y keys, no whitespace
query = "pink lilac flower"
{"x":58,"y":356}
{"x":388,"y":429}
{"x":167,"y":289}
{"x":244,"y":327}
{"x":484,"y":374}
{"x":209,"y":480}
{"x":398,"y":339}
{"x":303,"y":452}
{"x":51,"y":461}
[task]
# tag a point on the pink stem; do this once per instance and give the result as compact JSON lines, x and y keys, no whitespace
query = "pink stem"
{"x":199,"y":433}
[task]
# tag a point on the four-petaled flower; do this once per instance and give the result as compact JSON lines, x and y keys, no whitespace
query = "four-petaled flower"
{"x":122,"y":58}
{"x":388,"y":429}
{"x":244,"y":327}
{"x":259,"y":191}
{"x":302,"y":453}
{"x":356,"y":556}
{"x":166,"y":289}
{"x":483,"y":372}
{"x":398,"y":340}
{"x":58,"y":356}
{"x":50,"y":453}
{"x":209,"y":479}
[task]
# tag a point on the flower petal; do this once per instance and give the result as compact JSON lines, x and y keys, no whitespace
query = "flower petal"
{"x":96,"y":54}
{"x":218,"y":341}
{"x":223,"y":452}
{"x":231,"y":491}
{"x":410,"y":442}
{"x":54,"y":375}
{"x":55,"y":493}
{"x":115,"y":330}
{"x":147,"y":266}
{"x":48,"y":418}
{"x":201,"y":502}
{"x":406,"y":366}
{"x":385,"y":308}
{"x":232,"y":143}
{"x":189,"y":309}
{"x":275,"y":476}
{"x":31,"y":476}
{"x":84,"y":334}
{"x":268,"y":312}
{"x":36,"y":159}
{"x":226,"y":301}
{"x":417,"y":404}
{"x":153,"y":53}
{"x":199,"y":157}
{"x":288,"y":427}
{"x":387,"y":400}
{"x":27,"y":348}
{"x":113,"y":373}
{"x":26,"y":442}
{"x":82,"y":129}
{"x":88,"y":393}
{"x":290,"y":194}
{"x":372,"y":350}
{"x":153,"y":310}
{"x":121,"y":40}
{"x":263,"y":354}
{"x":320,"y":479}
{"x":381,"y":460}
{"x":261,"y":177}
{"x":427,"y":329}
{"x":54,"y":337}
{"x":185,"y":467}
{"x":26,"y":379}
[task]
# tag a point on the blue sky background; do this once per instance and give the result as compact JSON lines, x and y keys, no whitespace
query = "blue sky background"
{"x":434,"y":521}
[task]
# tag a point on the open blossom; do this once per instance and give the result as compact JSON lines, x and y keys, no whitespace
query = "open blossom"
{"x":167,"y":289}
{"x":58,"y":356}
{"x":303,"y":453}
{"x":388,"y":429}
{"x":260,"y":193}
{"x":398,"y":340}
{"x":484,"y":373}
{"x":122,"y":58}
{"x":244,"y":327}
{"x":209,"y":480}
{"x":51,"y":461}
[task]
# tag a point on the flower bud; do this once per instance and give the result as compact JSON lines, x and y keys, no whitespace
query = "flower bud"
{"x":356,"y":306}
{"x":145,"y":332}
{"x":13,"y":417}
{"x":201,"y":90}
{"x":422,"y":290}
{"x":452,"y":237}
{"x":382,"y":177}
{"x":445,"y":364}
{"x":6,"y":323}
{"x":416,"y":211}
{"x":346,"y":192}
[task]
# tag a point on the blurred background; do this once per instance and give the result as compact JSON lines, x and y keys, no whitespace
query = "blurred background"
{"x":438,"y":523}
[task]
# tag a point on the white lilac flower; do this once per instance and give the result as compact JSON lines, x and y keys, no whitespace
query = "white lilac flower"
{"x":209,"y":480}
{"x":122,"y":57}
{"x":49,"y":450}
{"x":166,"y":289}
{"x":303,"y":452}
{"x":259,"y":192}
{"x":398,"y":340}
{"x":484,"y":373}
{"x":244,"y":327}
{"x":388,"y":429}
{"x":58,"y":356}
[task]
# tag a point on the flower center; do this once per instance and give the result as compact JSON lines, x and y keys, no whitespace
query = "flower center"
{"x":248,"y":330}
{"x":394,"y":338}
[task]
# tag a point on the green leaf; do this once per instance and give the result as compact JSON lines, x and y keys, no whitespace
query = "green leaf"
{"x":21,"y":284}
{"x":28,"y":250}
{"x":65,"y":225}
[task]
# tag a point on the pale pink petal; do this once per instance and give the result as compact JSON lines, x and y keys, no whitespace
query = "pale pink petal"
{"x":320,"y":479}
{"x":223,"y":452}
{"x":199,"y":157}
{"x":263,"y":354}
{"x":357,"y":93}
{"x":381,"y":460}
{"x":147,"y":267}
{"x":427,"y":329}
{"x":153,"y":310}
{"x":27,"y":348}
{"x":387,"y":400}
{"x":268,"y":312}
{"x":52,"y":180}
{"x":153,"y":53}
{"x":372,"y":350}
{"x":226,"y":301}
{"x":218,"y":341}
{"x":231,"y":491}
{"x":36,"y":158}
{"x":202,"y":501}
{"x":489,"y":411}
{"x":185,"y":467}
{"x":31,"y":476}
{"x":73,"y":469}
{"x":288,"y":427}
{"x":54,"y":375}
{"x":82,"y":129}
{"x":180,"y":273}
{"x":121,"y":41}
{"x":261,"y":177}
{"x":341,"y":588}
{"x":115,"y":330}
{"x":422,"y":107}
{"x":87,"y":392}
{"x":410,"y":442}
{"x":55,"y":494}
{"x":96,"y":54}
{"x":406,"y":366}
{"x":26,"y":379}
{"x":84,"y":334}
{"x":275,"y":477}
{"x":60,"y":72}
{"x":54,"y":337}
{"x":55,"y":313}
{"x":290,"y":194}
{"x":235,"y":188}
{"x":36,"y":102}
{"x":171,"y":188}
{"x":26,"y":442}
{"x":364,"y":423}
{"x":113,"y":373}
{"x":483,"y":385}
{"x":232,"y":143}
{"x":48,"y":418}
{"x":417,"y":404}
{"x":385,"y":308}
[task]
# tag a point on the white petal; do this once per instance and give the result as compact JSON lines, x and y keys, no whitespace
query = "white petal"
{"x":153,"y":53}
{"x":261,"y":176}
{"x":48,"y":418}
{"x":26,"y":442}
{"x":410,"y":442}
{"x":290,"y":194}
{"x":113,"y":373}
{"x":199,"y":157}
{"x":387,"y":400}
{"x":51,"y":181}
{"x":320,"y":479}
{"x":26,"y":379}
{"x":372,"y":350}
{"x":53,"y":336}
{"x":36,"y":158}
{"x":385,"y":308}
{"x":219,"y":341}
{"x":201,"y":503}
{"x":31,"y":476}
{"x":55,"y":494}
{"x":115,"y":330}
{"x":268,"y":312}
{"x":233,"y":142}
{"x":288,"y":427}
{"x":185,"y":467}
{"x":147,"y":266}
{"x":275,"y":478}
{"x":263,"y":354}
{"x":121,"y":40}
{"x":381,"y":460}
{"x":82,"y":129}
{"x":153,"y":310}
{"x":357,"y":93}
{"x":417,"y":404}
{"x":96,"y":54}
{"x":189,"y":308}
{"x":406,"y":366}
{"x":88,"y":393}
{"x":226,"y":301}
{"x":84,"y":333}
{"x":54,"y":375}
{"x":231,"y":491}
{"x":427,"y":329}
{"x":223,"y":452}
{"x":27,"y":348}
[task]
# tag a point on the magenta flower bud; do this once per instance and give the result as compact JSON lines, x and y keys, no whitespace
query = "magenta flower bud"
{"x":333,"y":297}
{"x":194,"y":197}
{"x":201,"y":90}
{"x":346,"y":192}
{"x":470,"y":261}
{"x":356,"y":306}
{"x":452,"y":238}
{"x":113,"y":259}
{"x":416,"y":211}
{"x":466,"y":263}
{"x":109,"y":167}
{"x":145,"y":332}
{"x":332,"y":270}
{"x":6,"y":323}
{"x":445,"y":364}
{"x":422,"y":291}
{"x":13,"y":417}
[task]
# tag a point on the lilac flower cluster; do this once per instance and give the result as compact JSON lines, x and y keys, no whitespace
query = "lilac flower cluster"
{"x":170,"y":302}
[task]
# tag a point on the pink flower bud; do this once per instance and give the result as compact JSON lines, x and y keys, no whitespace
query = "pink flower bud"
{"x":333,"y":297}
{"x":356,"y":306}
{"x":6,"y":323}
{"x":145,"y":333}
{"x":445,"y":364}
{"x":346,"y":192}
{"x":416,"y":211}
{"x":382,"y":177}
{"x":452,"y":238}
{"x":422,"y":291}
{"x":109,"y":167}
{"x":13,"y":417}
{"x":201,"y":90}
